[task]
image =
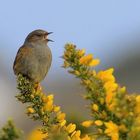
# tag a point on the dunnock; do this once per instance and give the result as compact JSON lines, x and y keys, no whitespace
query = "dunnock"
{"x":34,"y":58}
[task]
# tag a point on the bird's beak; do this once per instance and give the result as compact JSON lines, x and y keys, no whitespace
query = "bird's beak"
{"x":49,"y":40}
{"x":49,"y":33}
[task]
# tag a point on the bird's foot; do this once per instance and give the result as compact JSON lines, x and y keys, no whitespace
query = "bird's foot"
{"x":38,"y":87}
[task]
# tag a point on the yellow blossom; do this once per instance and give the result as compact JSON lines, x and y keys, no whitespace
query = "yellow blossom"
{"x":95,"y":107}
{"x":94,"y":62}
{"x":87,"y":123}
{"x":56,"y":108}
{"x":110,"y":86}
{"x":137,"y":106}
{"x":50,"y":97}
{"x":73,"y":133}
{"x":106,"y":75}
{"x":60,"y":116}
{"x":88,"y":60}
{"x":138,"y":99}
{"x":98,"y":122}
{"x":76,"y":135}
{"x":62,"y":123}
{"x":70,"y":128}
{"x":112,"y":130}
{"x":44,"y":98}
{"x":109,"y":96}
{"x":30,"y":110}
{"x":86,"y":137}
{"x":123,"y":89}
{"x":109,"y":83}
{"x":112,"y":105}
{"x":48,"y":106}
{"x":36,"y":135}
{"x":47,"y":98}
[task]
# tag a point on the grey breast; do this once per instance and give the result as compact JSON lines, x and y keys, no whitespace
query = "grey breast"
{"x":43,"y":59}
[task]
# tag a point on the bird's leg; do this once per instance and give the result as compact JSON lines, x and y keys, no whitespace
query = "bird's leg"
{"x":38,"y":87}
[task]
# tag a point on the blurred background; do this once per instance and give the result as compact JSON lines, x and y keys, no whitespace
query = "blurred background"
{"x":109,"y":29}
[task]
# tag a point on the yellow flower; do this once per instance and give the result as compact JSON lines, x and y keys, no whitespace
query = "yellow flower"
{"x":87,"y":123}
{"x":137,"y":107}
{"x":30,"y":110}
{"x":62,"y":123}
{"x":95,"y":107}
{"x":109,"y":97}
{"x":123,"y":89}
{"x":88,"y":60}
{"x":56,"y":108}
{"x":36,"y":135}
{"x":109,"y":83}
{"x":94,"y":62}
{"x":112,"y":130}
{"x":61,"y":116}
{"x":112,"y":105}
{"x":50,"y":97}
{"x":86,"y":137}
{"x":44,"y":98}
{"x":76,"y":135}
{"x":48,"y":106}
{"x":110,"y":87}
{"x":98,"y":122}
{"x":106,"y":75}
{"x":138,"y":99}
{"x":47,"y":98}
{"x":70,"y":128}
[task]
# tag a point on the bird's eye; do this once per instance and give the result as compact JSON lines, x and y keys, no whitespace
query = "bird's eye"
{"x":38,"y":35}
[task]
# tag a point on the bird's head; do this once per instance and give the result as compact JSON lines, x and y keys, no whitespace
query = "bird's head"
{"x":38,"y":36}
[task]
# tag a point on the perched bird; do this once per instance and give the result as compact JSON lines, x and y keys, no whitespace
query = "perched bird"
{"x":34,"y":57}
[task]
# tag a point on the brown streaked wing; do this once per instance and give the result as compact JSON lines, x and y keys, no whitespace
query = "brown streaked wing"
{"x":22,"y":53}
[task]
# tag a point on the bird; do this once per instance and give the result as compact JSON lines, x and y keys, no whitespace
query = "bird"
{"x":34,"y":57}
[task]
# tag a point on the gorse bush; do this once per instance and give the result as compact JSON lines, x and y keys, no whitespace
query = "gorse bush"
{"x":115,"y":114}
{"x":10,"y":132}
